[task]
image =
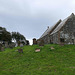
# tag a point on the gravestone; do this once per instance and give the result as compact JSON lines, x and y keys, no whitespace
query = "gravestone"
{"x":37,"y":50}
{"x":6,"y":44}
{"x":34,"y":41}
{"x":61,"y":44}
{"x":21,"y":45}
{"x":52,"y":47}
{"x":16,"y":44}
{"x":20,"y":50}
{"x":12,"y":45}
{"x":2,"y":48}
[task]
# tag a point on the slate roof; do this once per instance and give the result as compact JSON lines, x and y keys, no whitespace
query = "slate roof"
{"x":62,"y":24}
{"x":46,"y":32}
{"x":50,"y":29}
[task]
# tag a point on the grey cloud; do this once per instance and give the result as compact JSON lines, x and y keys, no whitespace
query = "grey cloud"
{"x":31,"y":17}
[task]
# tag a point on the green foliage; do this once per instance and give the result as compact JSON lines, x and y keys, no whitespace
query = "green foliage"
{"x":60,"y":61}
{"x":5,"y":35}
{"x":17,"y":36}
{"x":27,"y":42}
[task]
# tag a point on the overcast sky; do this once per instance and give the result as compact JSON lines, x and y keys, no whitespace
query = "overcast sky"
{"x":31,"y":17}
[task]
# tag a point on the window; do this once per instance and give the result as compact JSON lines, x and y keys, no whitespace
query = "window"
{"x":72,"y":41}
{"x":61,"y":40}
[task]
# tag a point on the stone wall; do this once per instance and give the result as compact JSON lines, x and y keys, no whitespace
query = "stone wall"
{"x":68,"y":31}
{"x":66,"y":35}
{"x":55,"y":38}
{"x":46,"y":39}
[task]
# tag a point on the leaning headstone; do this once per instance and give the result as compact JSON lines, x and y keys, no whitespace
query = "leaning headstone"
{"x":52,"y":47}
{"x":16,"y":50}
{"x":16,"y":44}
{"x":6,"y":44}
{"x":37,"y":50}
{"x":11,"y":45}
{"x":20,"y":50}
{"x":0,"y":46}
{"x":61,"y":44}
{"x":2,"y":49}
{"x":21,"y":45}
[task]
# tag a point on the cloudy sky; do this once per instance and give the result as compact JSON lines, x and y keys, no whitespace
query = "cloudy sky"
{"x":31,"y":17}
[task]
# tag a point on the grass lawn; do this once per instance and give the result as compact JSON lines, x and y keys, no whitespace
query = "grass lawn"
{"x":60,"y":61}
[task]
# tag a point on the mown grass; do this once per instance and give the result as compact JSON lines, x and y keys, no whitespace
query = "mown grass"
{"x":60,"y":61}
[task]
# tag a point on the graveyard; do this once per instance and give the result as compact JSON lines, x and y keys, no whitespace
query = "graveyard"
{"x":37,"y":37}
{"x":49,"y":59}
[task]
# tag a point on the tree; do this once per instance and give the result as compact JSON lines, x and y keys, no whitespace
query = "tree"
{"x":5,"y":35}
{"x":17,"y":36}
{"x":27,"y":42}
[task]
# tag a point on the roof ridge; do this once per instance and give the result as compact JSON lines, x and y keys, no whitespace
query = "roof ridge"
{"x":62,"y":23}
{"x":51,"y":28}
{"x":71,"y":15}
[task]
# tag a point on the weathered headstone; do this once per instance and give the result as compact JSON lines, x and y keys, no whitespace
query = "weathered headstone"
{"x":61,"y":44}
{"x":0,"y":46}
{"x":6,"y":44}
{"x":21,"y":45}
{"x":2,"y":49}
{"x":34,"y":41}
{"x":16,"y":44}
{"x":37,"y":50}
{"x":20,"y":50}
{"x":12,"y":45}
{"x":52,"y":47}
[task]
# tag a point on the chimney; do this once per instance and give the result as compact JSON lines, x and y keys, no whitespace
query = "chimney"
{"x":48,"y":27}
